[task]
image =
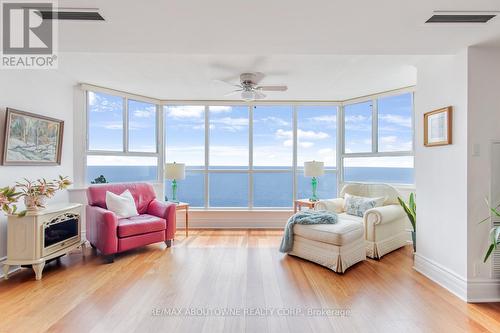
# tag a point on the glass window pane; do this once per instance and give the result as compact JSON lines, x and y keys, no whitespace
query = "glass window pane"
{"x":317,"y":134}
{"x":228,"y":189}
{"x":327,"y":186}
{"x":228,"y":136}
{"x":190,"y":190}
{"x":272,"y":136}
{"x":358,"y":127}
{"x":395,"y":132}
{"x":272,"y":189}
{"x":185,"y":134}
{"x":394,"y":169}
{"x":118,"y":169}
{"x":105,"y":123}
{"x":141,"y":127}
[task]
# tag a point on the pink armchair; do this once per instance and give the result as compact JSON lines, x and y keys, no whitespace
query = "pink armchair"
{"x":110,"y":235}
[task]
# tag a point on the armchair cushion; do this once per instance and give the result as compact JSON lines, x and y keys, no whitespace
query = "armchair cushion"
{"x":122,"y":205}
{"x":355,"y":205}
{"x":332,"y":205}
{"x":384,"y":214}
{"x":141,"y":224}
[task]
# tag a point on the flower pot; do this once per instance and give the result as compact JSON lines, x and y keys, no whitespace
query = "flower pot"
{"x":414,"y":240}
{"x":34,"y":202}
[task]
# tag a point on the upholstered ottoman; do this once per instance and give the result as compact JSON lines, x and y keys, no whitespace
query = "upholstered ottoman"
{"x":336,"y":246}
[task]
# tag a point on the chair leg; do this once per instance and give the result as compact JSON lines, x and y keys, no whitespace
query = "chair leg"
{"x":109,"y":259}
{"x":168,"y":242}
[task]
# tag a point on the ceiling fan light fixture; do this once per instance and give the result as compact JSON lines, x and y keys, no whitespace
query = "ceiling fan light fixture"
{"x":248,"y":95}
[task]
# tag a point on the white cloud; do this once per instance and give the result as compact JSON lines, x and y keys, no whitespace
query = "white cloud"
{"x":91,"y":98}
{"x":288,"y":143}
{"x":144,"y":113}
{"x":220,"y":108}
{"x":388,"y":139}
{"x":328,"y":119}
{"x":275,"y":120}
{"x":356,"y":118}
{"x":301,"y":134}
{"x":396,"y":120}
{"x":306,"y":144}
{"x":185,"y":111}
{"x":112,"y":125}
{"x":229,"y":124}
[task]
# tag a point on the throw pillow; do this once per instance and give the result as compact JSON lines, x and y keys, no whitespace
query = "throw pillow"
{"x":357,"y":206}
{"x":122,"y":205}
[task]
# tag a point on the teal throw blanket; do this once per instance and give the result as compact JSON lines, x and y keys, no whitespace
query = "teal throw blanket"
{"x":305,"y":217}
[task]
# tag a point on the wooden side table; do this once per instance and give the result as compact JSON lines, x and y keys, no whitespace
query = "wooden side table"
{"x":184,"y":206}
{"x":299,"y":203}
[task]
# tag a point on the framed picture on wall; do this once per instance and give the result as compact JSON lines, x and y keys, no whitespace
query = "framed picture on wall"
{"x":438,"y":127}
{"x":31,"y":139}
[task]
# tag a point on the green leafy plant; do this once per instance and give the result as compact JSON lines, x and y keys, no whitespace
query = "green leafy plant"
{"x":32,"y":189}
{"x":410,"y":209}
{"x":100,"y":180}
{"x":494,"y":232}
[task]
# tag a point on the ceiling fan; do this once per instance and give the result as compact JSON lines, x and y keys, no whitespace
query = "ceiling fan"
{"x":250,"y":89}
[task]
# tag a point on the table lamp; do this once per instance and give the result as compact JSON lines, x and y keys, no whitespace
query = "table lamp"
{"x":314,"y":169}
{"x":175,"y":171}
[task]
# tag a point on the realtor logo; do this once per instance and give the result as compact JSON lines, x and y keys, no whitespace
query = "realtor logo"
{"x":27,"y":38}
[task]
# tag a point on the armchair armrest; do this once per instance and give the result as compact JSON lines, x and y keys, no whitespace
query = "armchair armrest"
{"x":101,"y":229}
{"x":333,"y":205}
{"x":384,"y":214}
{"x":167,"y":212}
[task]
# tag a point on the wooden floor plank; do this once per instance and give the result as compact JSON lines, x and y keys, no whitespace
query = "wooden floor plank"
{"x":223,"y":270}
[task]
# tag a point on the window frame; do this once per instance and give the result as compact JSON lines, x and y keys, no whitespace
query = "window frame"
{"x":375,"y":135}
{"x":205,"y":170}
{"x":125,"y":138}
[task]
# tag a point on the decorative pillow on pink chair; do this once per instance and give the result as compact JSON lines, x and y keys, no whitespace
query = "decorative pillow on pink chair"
{"x":122,"y":205}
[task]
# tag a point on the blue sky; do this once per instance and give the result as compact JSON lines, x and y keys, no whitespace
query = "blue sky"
{"x":316,"y":130}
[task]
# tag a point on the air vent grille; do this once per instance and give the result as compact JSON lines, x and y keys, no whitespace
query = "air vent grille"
{"x":460,"y":18}
{"x":71,"y":15}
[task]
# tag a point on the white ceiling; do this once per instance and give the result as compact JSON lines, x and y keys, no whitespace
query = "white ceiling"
{"x":274,"y":27}
{"x":189,"y":77}
{"x":322,"y":49}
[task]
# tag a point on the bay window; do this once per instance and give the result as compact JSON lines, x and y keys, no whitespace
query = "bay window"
{"x":250,"y":155}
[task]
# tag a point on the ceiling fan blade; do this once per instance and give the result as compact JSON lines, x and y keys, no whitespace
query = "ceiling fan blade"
{"x":227,"y":83}
{"x":272,"y":88}
{"x":233,"y":92}
{"x":259,"y":95}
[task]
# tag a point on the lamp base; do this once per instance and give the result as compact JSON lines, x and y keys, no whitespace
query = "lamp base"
{"x":314,"y":185}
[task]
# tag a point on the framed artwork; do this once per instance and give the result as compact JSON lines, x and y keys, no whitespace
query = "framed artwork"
{"x":31,"y":139}
{"x":438,"y":127}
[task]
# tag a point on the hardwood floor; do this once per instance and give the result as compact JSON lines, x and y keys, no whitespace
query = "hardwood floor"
{"x":232,"y":269}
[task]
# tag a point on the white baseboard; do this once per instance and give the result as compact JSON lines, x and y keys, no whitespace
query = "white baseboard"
{"x":483,"y":290}
{"x":11,"y":270}
{"x":442,"y":276}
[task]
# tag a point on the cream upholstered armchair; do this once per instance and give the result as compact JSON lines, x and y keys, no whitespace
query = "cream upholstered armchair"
{"x":385,"y":226}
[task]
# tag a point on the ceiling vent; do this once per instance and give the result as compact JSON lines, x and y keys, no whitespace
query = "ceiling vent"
{"x":69,"y":14}
{"x":72,"y":15}
{"x":461,"y":17}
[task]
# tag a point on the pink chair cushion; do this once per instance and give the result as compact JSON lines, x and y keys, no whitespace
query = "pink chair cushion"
{"x":143,"y":194}
{"x":141,"y":224}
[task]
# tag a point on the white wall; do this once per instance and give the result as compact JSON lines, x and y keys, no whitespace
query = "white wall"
{"x":441,"y":174}
{"x":43,"y":92}
{"x":483,"y":129}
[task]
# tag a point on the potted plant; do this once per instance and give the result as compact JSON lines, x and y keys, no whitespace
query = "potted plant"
{"x":494,"y":232}
{"x":34,"y":194}
{"x":410,"y":209}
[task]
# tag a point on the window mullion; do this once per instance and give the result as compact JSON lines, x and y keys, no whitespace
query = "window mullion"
{"x":374,"y":126}
{"x":294,"y":159}
{"x":250,"y":156}
{"x":207,"y":160}
{"x":125,"y":125}
{"x":340,"y":147}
